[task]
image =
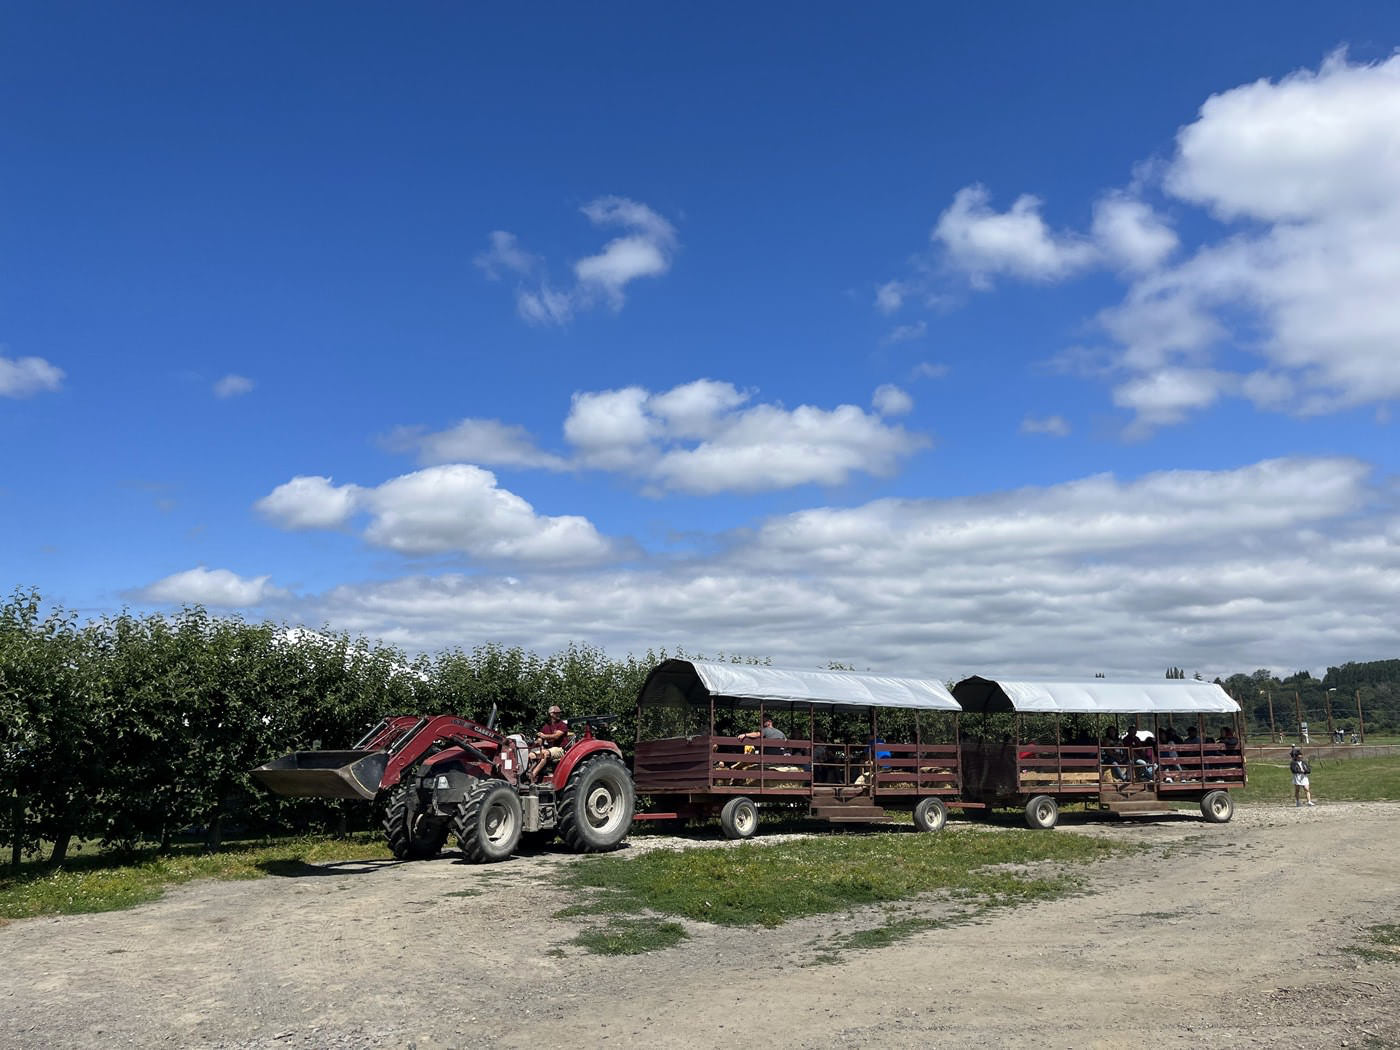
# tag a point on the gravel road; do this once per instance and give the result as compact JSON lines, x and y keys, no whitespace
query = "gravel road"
{"x":1225,"y":936}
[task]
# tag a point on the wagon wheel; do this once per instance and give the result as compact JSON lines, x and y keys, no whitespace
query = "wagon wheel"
{"x":488,"y":821}
{"x":739,"y":818}
{"x":1042,"y":812}
{"x":1217,"y":807}
{"x":411,"y":835}
{"x":930,"y":814}
{"x":595,"y":809}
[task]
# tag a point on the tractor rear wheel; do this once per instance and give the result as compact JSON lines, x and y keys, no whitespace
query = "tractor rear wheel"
{"x":489,"y":821}
{"x":411,"y":835}
{"x":595,"y":809}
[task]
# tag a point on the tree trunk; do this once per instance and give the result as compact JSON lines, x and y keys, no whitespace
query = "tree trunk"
{"x":17,"y":830}
{"x":60,"y":848}
{"x":215,"y":838}
{"x":341,"y":829}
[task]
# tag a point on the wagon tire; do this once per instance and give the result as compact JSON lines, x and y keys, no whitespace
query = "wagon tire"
{"x":739,"y":818}
{"x":596,"y":806}
{"x":1042,"y":813}
{"x":488,"y":822}
{"x":1217,"y":807}
{"x":930,"y":814}
{"x":411,"y":835}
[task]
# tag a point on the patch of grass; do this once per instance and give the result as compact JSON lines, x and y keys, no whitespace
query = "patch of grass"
{"x":103,"y":882}
{"x":631,"y":936}
{"x":766,"y":885}
{"x":1382,"y":945}
{"x":1336,"y":779}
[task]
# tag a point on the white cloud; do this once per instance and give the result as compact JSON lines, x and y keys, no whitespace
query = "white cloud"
{"x":489,"y":442}
{"x":890,"y":400}
{"x":309,"y":502}
{"x":460,"y":508}
{"x":611,"y":429}
{"x":929,"y":370}
{"x":437,"y":510}
{"x":219,"y":588}
{"x":905,"y":332}
{"x":740,"y":449}
{"x":504,"y":256}
{"x":233,"y":386}
{"x":26,"y":376}
{"x":1218,"y":571}
{"x":1055,"y":426}
{"x":889,"y":297}
{"x":985,"y":243}
{"x":645,"y":249}
{"x":1305,"y":174}
{"x":1131,"y":233}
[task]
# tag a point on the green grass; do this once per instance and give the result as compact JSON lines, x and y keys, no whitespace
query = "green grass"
{"x":101,"y":882}
{"x":1382,"y":945}
{"x":1334,"y":779}
{"x":631,"y":936}
{"x":767,"y":885}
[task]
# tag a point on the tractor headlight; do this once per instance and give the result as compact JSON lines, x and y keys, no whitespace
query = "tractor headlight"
{"x":441,"y":783}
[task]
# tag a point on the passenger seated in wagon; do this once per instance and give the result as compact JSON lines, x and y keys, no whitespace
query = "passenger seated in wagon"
{"x":1113,"y":756}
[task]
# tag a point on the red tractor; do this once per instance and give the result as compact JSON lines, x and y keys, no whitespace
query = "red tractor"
{"x":442,"y":774}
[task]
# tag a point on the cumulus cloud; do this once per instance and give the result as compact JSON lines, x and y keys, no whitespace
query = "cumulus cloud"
{"x":929,"y":370}
{"x":488,"y":442}
{"x":233,"y":386}
{"x":455,"y":508}
{"x":890,"y":400}
{"x":645,"y":248}
{"x":218,"y":588}
{"x":1055,"y":426}
{"x":1213,"y":570}
{"x":26,"y":376}
{"x":1302,"y":174}
{"x":985,"y":243}
{"x":309,"y":502}
{"x":704,"y":437}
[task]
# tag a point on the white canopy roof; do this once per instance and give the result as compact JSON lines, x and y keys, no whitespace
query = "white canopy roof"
{"x":751,"y":685}
{"x":1167,"y":696}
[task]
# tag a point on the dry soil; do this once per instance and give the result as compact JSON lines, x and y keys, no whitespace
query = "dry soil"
{"x":1226,"y":936}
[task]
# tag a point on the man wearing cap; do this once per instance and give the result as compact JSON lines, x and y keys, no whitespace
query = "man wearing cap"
{"x":550,"y":741}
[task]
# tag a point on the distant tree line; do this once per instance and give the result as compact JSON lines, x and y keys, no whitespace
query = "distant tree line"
{"x":1375,"y":683}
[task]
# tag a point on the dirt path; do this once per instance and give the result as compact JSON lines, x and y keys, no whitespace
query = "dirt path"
{"x":1228,"y":936}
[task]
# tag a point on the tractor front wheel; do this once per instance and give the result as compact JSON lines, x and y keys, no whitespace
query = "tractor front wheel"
{"x":411,"y":835}
{"x":489,"y":821}
{"x":595,"y":809}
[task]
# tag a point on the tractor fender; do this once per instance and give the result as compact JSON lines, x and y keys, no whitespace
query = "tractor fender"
{"x":576,"y":754}
{"x":449,"y":774}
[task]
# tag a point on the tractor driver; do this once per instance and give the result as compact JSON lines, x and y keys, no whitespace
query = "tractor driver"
{"x":550,"y":742}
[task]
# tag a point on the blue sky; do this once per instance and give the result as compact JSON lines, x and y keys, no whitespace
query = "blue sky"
{"x":1037,"y":339}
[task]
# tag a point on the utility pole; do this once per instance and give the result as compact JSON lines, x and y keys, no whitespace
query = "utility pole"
{"x":1331,"y":732}
{"x":1360,"y":722}
{"x":1273,"y":732}
{"x":1302,"y":726}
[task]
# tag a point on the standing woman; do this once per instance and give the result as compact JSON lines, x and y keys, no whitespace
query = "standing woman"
{"x":1300,"y":768}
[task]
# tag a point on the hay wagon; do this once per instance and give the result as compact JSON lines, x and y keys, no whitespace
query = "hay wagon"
{"x":1039,"y":745}
{"x":853,"y":747}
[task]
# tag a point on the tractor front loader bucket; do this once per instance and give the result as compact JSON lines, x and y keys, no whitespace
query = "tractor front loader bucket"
{"x":324,"y":774}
